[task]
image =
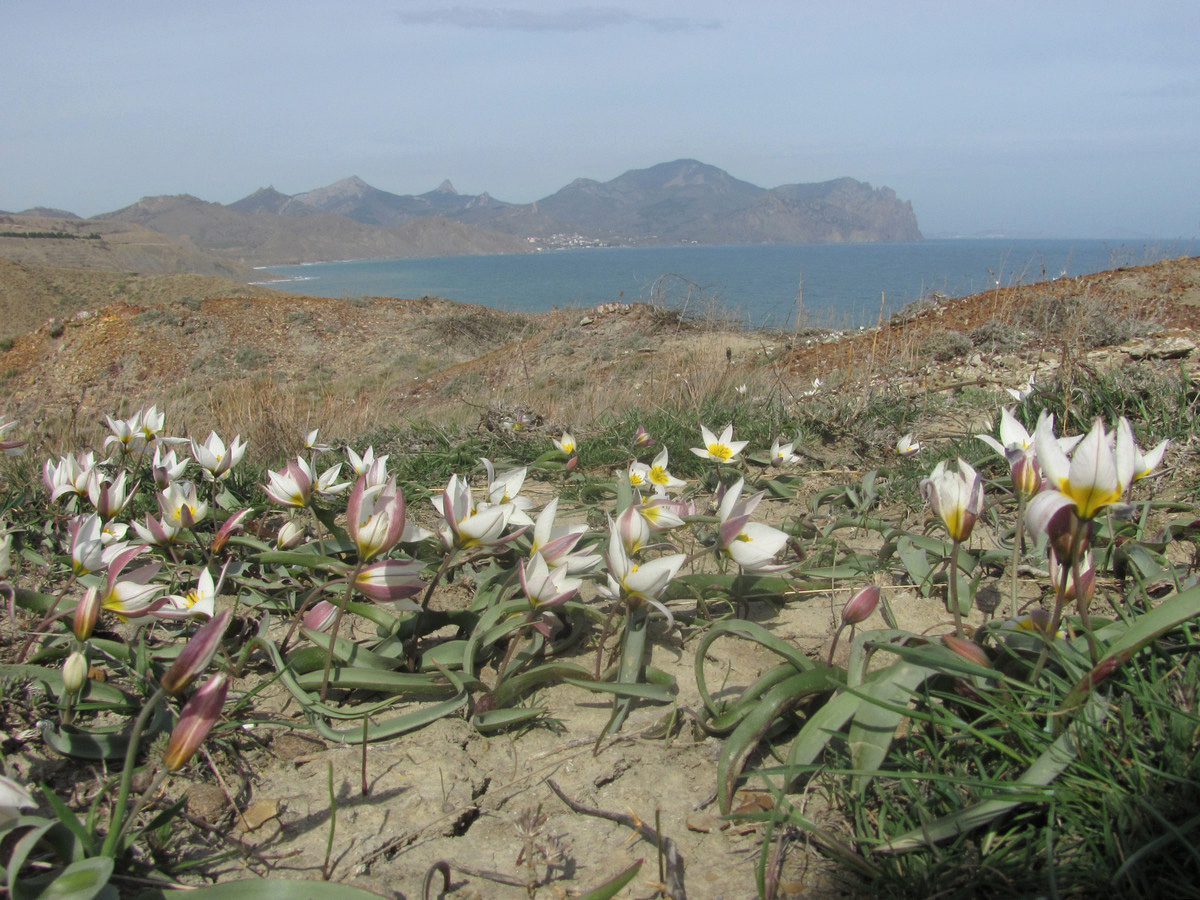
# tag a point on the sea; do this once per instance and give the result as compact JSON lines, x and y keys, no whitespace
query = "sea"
{"x":762,"y":286}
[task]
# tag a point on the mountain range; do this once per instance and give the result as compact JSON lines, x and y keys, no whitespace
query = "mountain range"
{"x":681,"y":202}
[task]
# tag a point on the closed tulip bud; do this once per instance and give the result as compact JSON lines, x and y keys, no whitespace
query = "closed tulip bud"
{"x":290,"y":535}
{"x":86,"y":614}
{"x":231,"y":526}
{"x":197,"y":719}
{"x":642,"y":440}
{"x":861,"y":605}
{"x":320,"y":616}
{"x":75,"y":672}
{"x":196,"y":654}
{"x":968,"y":650}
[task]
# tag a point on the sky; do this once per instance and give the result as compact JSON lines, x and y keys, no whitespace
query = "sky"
{"x":1061,"y":118}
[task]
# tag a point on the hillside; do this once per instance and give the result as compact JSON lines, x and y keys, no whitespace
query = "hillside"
{"x":266,"y":362}
{"x":107,"y":245}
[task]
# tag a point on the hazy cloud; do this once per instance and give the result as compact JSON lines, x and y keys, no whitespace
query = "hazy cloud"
{"x":576,"y":18}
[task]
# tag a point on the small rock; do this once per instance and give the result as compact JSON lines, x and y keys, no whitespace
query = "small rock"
{"x":206,"y":802}
{"x":703,"y":823}
{"x":258,"y":813}
{"x":1174,"y":347}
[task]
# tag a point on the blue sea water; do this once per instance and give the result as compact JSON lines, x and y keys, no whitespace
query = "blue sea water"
{"x":843,"y":285}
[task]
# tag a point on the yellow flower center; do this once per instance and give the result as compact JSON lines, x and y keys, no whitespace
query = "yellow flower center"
{"x":658,"y":475}
{"x":720,"y":451}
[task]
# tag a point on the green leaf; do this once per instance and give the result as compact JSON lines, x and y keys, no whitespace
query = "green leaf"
{"x":750,"y":730}
{"x":350,"y":652}
{"x":876,"y":720}
{"x":655,"y":692}
{"x":81,"y":880}
{"x":610,"y":888}
{"x":917,"y":563}
{"x":499,"y":719}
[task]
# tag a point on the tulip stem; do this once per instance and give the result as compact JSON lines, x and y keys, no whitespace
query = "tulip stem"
{"x":953,"y":573}
{"x":1018,"y":546}
{"x":116,"y":823}
{"x":337,"y":623}
{"x":413,"y":662}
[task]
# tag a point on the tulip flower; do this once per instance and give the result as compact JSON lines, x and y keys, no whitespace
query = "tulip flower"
{"x":201,"y":601}
{"x":392,"y":580}
{"x":503,"y":490}
{"x":374,"y":517}
{"x":556,"y":547}
{"x":69,"y":475}
{"x":108,"y":496}
{"x":196,"y":654}
{"x":197,"y":719}
{"x":179,"y":505}
{"x":87,"y":612}
{"x":955,"y":497}
{"x":861,"y":605}
{"x":215,"y":458}
{"x":782,"y":455}
{"x":130,"y":596}
{"x":88,"y":550}
{"x":639,"y":474}
{"x":166,"y":467}
{"x":365,"y":463}
{"x":636,"y":583}
{"x":1144,"y":463}
{"x":658,"y":475}
{"x":1094,"y":476}
{"x":466,"y":525}
{"x":74,"y":672}
{"x":908,"y":445}
{"x":126,"y":436}
{"x":566,"y":443}
{"x":722,"y":449}
{"x":968,"y":650}
{"x":311,"y":442}
{"x":292,"y":486}
{"x":545,"y":586}
{"x":155,"y":531}
{"x":320,"y":616}
{"x":1013,"y":435}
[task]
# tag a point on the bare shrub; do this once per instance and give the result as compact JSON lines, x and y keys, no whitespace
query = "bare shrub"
{"x":944,"y":346}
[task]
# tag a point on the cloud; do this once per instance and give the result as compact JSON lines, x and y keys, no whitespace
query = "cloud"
{"x":575,"y":18}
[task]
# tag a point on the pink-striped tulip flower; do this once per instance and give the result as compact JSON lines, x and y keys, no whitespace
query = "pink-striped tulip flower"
{"x":374,"y":517}
{"x":955,"y":497}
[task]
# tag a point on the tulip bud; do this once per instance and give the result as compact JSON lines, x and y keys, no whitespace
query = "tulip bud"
{"x":196,"y":720}
{"x":320,"y":616}
{"x":196,"y":654}
{"x":571,"y":464}
{"x":231,"y":526}
{"x":290,"y":535}
{"x":643,"y":441}
{"x":861,"y":605}
{"x":1026,"y":475}
{"x":968,"y":650}
{"x":86,"y":614}
{"x":74,"y":672}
